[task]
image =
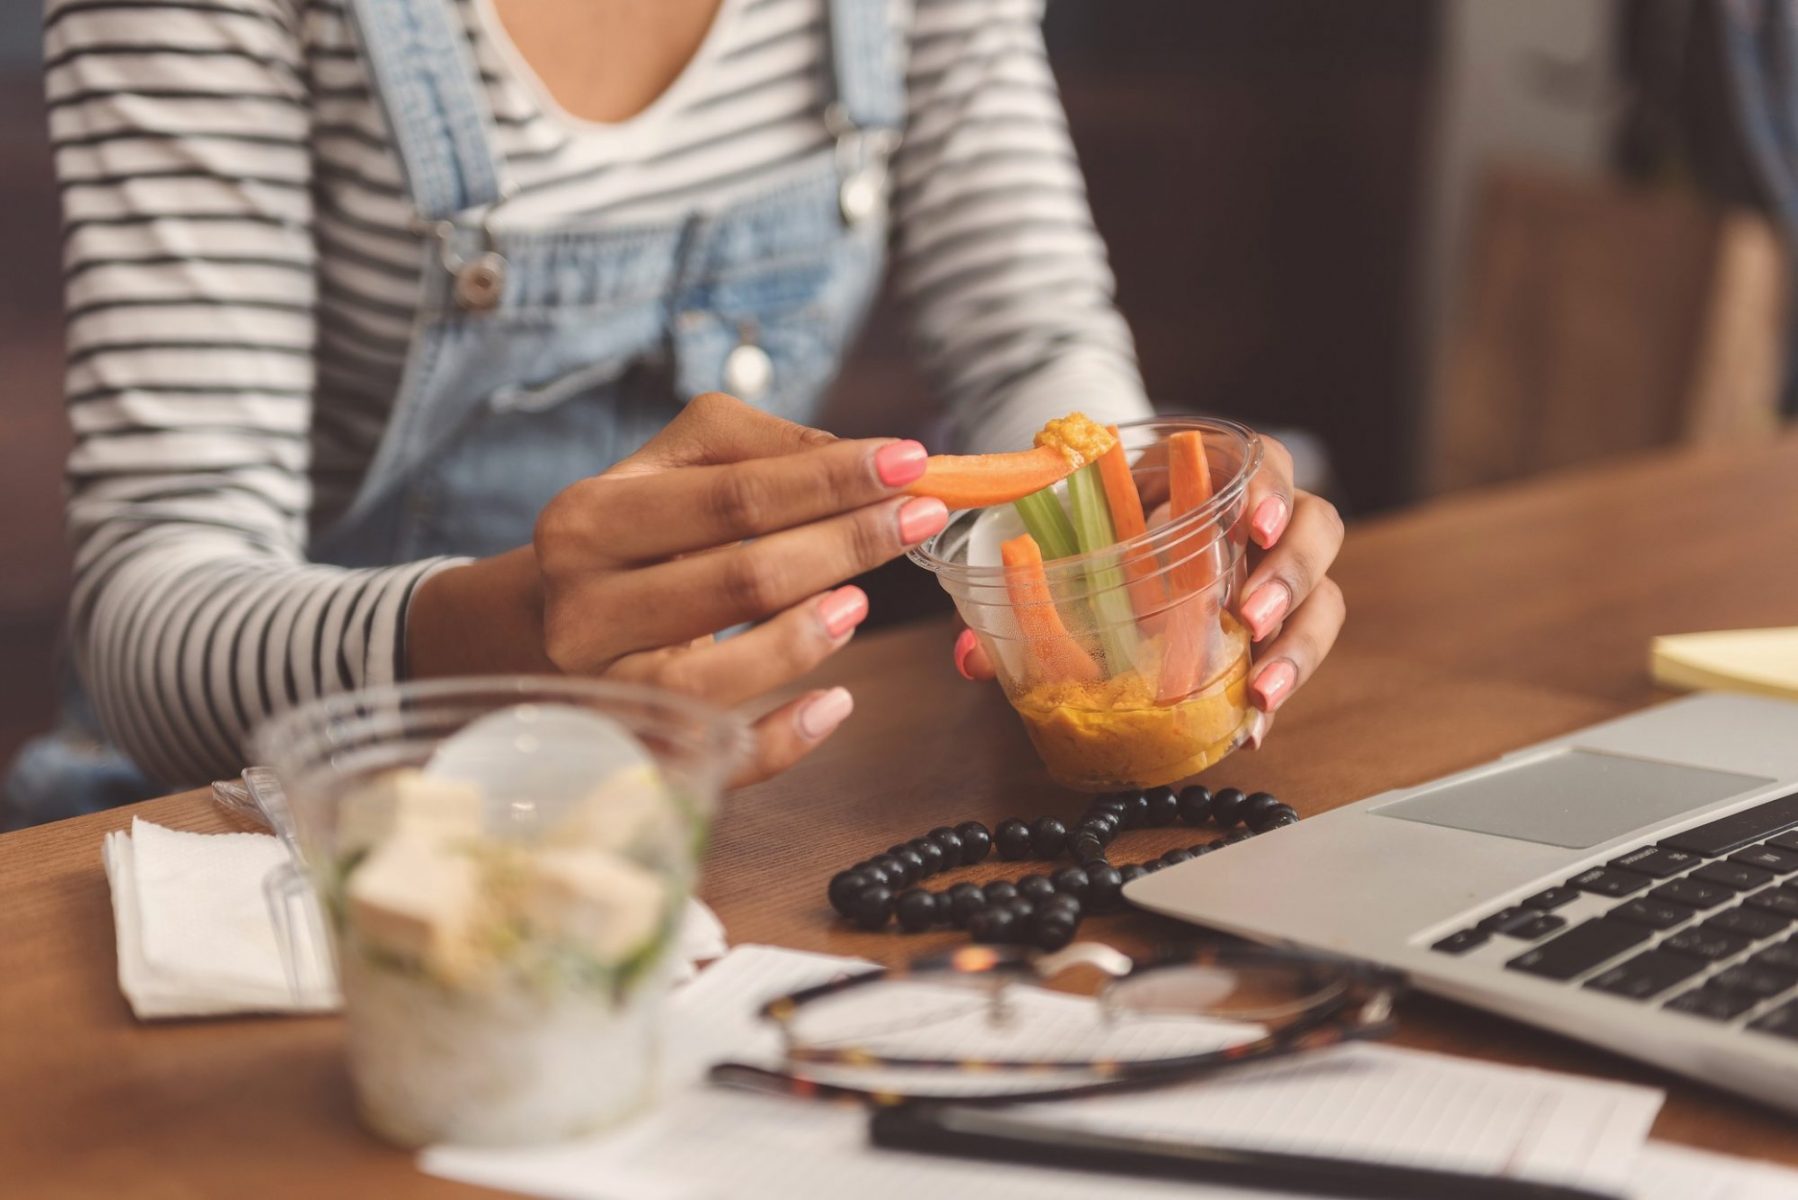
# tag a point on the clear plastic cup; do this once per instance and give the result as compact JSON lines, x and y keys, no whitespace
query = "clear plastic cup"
{"x":504,"y":864}
{"x":1155,"y":614}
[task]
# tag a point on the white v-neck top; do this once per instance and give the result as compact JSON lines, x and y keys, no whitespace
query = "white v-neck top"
{"x":242,"y":285}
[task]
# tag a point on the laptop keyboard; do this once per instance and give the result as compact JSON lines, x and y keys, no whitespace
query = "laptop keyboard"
{"x":1705,"y":923}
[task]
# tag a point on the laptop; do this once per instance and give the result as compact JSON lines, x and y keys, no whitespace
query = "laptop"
{"x":1633,"y":885}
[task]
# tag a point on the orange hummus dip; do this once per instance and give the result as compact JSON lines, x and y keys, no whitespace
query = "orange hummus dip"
{"x":1112,"y":734}
{"x":1079,"y":437}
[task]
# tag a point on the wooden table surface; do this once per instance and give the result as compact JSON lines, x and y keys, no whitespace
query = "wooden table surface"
{"x":1476,"y":625}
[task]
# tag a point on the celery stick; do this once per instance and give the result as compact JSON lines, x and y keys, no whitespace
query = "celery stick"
{"x":1048,"y":524}
{"x":1110,"y":602}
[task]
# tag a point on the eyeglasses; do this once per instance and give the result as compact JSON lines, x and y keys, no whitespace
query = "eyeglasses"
{"x":981,"y":1026}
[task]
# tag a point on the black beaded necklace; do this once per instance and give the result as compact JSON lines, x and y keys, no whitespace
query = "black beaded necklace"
{"x":1040,"y":910}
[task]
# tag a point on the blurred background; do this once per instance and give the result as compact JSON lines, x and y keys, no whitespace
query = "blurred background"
{"x":1451,"y":242}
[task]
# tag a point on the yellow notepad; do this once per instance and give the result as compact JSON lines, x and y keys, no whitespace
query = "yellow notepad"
{"x":1763,"y":661}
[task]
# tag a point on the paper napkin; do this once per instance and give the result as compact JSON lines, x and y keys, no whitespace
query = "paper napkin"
{"x":195,"y":936}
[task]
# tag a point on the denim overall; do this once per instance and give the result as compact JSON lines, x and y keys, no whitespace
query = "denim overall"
{"x":544,"y":356}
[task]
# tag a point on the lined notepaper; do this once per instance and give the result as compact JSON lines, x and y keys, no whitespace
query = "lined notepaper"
{"x":1366,"y":1101}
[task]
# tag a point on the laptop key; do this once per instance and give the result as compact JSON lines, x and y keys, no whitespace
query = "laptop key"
{"x":1760,"y":982}
{"x":1780,"y":957}
{"x":1656,"y":914}
{"x":1580,"y":949}
{"x":1539,"y":927}
{"x":1780,"y":1022}
{"x":1504,"y":919}
{"x":1738,"y":829}
{"x":1705,"y":942}
{"x":1658,"y":861}
{"x":1551,"y":898}
{"x":1608,"y":881}
{"x":1785,"y":841}
{"x":1645,"y":975}
{"x":1461,"y":941}
{"x":1780,"y":901}
{"x":1733,"y":875}
{"x":1712,"y":1003}
{"x":1694,"y":893}
{"x":1767,"y":858}
{"x":1749,"y":922}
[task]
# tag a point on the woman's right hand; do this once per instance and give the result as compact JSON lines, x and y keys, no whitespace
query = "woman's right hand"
{"x":728,"y":516}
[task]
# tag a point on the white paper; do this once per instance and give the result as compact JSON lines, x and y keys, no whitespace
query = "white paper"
{"x":1365,"y":1101}
{"x":1668,"y":1172}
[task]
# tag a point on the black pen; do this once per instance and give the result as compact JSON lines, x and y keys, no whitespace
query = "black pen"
{"x":983,"y":1134}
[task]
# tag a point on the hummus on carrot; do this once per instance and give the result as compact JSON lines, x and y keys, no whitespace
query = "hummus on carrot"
{"x":1112,"y":733}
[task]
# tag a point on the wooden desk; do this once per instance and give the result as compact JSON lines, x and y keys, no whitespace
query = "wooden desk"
{"x":1477,"y":625}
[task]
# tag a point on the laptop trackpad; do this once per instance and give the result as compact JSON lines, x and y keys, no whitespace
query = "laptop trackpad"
{"x":1574,"y":798}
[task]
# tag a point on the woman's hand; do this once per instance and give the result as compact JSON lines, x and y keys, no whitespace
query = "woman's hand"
{"x":728,"y":516}
{"x":1293,"y":609}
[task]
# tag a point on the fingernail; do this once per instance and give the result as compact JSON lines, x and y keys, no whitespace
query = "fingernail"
{"x":920,"y":518}
{"x":964,"y":646}
{"x":843,"y":610}
{"x":1266,"y":608}
{"x":1258,"y":730}
{"x":1269,"y":521}
{"x":1273,"y":684}
{"x":900,"y":463}
{"x":824,"y":712}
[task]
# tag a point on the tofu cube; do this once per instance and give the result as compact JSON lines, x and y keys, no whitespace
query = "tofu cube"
{"x":408,"y":803}
{"x":608,"y":905}
{"x":420,"y":900}
{"x":630,"y":810}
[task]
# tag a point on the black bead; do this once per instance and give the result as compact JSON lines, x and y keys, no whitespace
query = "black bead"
{"x":1226,"y":807}
{"x":872,"y":872}
{"x":1051,"y":931}
{"x":1020,"y":908}
{"x":1071,"y":881}
{"x":992,"y":925}
{"x":975,"y":841}
{"x":1064,"y":903}
{"x":1130,"y":871}
{"x":1164,"y":806}
{"x":1102,"y":885}
{"x":916,"y":909}
{"x":1238,"y":835}
{"x":1012,"y":839}
{"x":896,"y":872}
{"x":1136,"y":810}
{"x":914,"y":863}
{"x":1048,"y":837}
{"x":999,"y":891}
{"x":964,"y":899}
{"x":931,"y":853}
{"x":1088,"y":848}
{"x":1195,"y":804}
{"x":1175,"y":857}
{"x":873,"y":907}
{"x":1203,"y":848}
{"x":1035,"y":888}
{"x":949,"y":842}
{"x":1115,"y":806}
{"x":1281,"y":816}
{"x":1257,"y":808}
{"x":1151,"y":866}
{"x":1101,"y":828}
{"x":845,"y":886}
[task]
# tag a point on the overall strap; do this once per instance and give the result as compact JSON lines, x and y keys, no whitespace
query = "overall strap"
{"x":424,"y":73}
{"x":867,"y":71}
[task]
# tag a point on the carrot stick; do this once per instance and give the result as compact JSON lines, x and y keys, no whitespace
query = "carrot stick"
{"x":983,"y":480}
{"x":1193,"y":618}
{"x":1147,"y":594}
{"x":1054,"y":654}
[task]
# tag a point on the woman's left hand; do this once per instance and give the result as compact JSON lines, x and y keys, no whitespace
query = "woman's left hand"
{"x":1293,"y":609}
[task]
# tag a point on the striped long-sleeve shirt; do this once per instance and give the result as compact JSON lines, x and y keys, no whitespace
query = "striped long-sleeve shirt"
{"x":242,"y":281}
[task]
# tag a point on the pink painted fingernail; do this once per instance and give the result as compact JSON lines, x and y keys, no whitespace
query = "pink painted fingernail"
{"x":900,"y":463}
{"x":1273,"y":684}
{"x":1269,"y":521}
{"x":843,"y":610}
{"x":920,"y":518}
{"x":964,"y":646}
{"x":1267,"y":607}
{"x":823,"y":713}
